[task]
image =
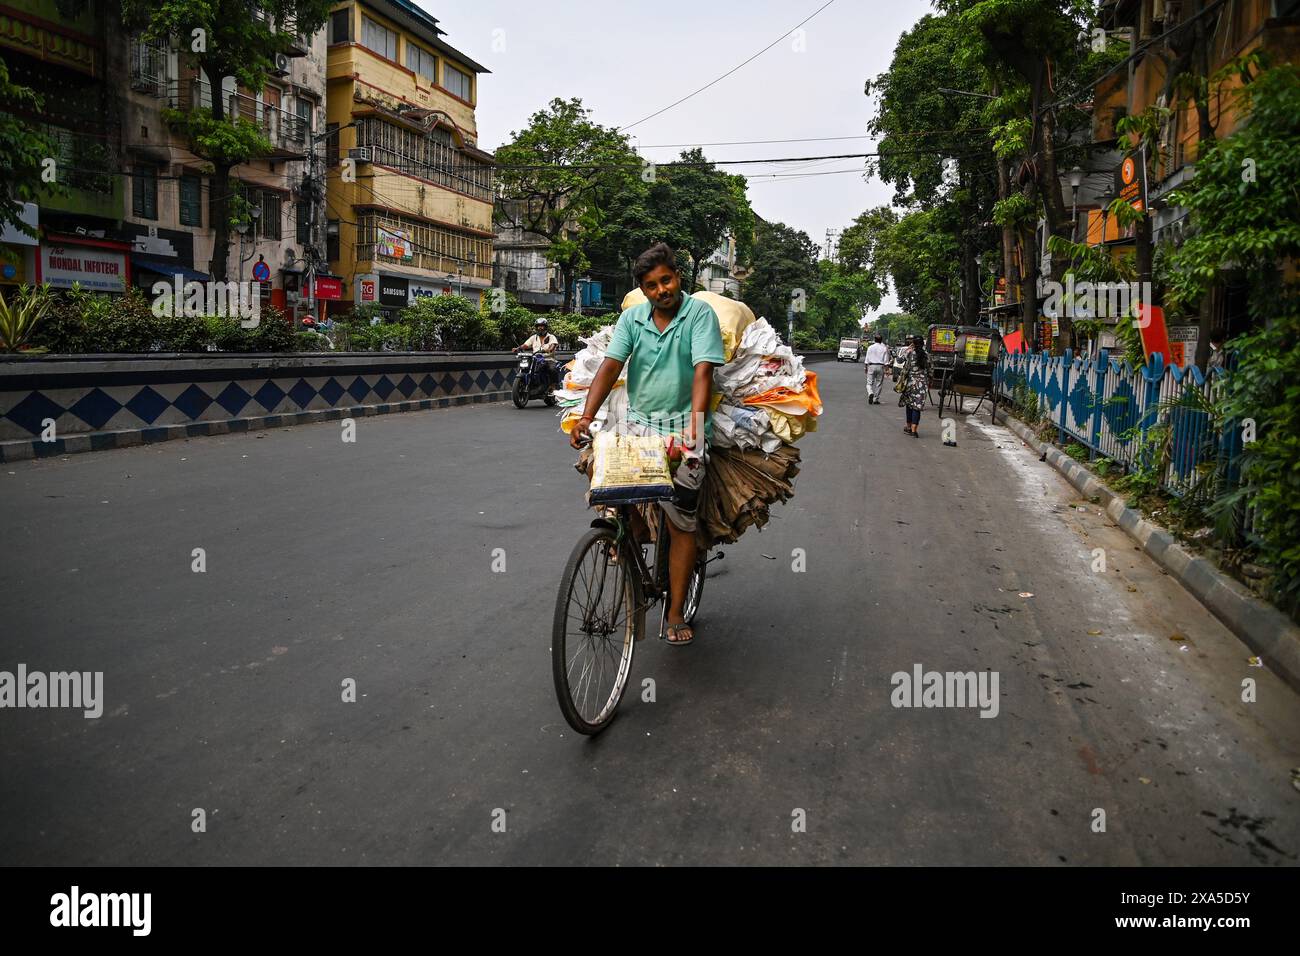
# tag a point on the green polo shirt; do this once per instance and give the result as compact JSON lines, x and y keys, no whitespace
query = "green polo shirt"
{"x":661,"y":367}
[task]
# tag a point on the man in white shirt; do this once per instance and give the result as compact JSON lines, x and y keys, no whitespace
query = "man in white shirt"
{"x":542,"y":341}
{"x":876,"y":362}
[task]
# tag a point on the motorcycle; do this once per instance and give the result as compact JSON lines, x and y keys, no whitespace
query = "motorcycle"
{"x":532,"y":380}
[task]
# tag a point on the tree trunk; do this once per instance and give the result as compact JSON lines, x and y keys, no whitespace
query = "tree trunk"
{"x":1008,"y":238}
{"x":970,"y":280}
{"x":220,"y":222}
{"x":566,"y":279}
{"x":220,"y":193}
{"x":1058,"y":219}
{"x":1029,"y":284}
{"x":1143,"y":253}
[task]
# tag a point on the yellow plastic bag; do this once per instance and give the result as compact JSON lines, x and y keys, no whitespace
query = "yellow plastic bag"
{"x":733,"y":316}
{"x":629,"y":468}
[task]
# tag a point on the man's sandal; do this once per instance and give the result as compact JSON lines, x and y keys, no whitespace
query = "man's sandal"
{"x":677,"y":629}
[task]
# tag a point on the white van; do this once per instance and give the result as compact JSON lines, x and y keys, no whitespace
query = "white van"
{"x":848,"y":350}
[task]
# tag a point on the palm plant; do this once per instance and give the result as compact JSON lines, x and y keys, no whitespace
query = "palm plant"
{"x":19,"y":318}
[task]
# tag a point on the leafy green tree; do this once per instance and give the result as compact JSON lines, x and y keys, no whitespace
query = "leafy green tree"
{"x":935,"y":145}
{"x":895,"y":327}
{"x":1246,"y":212}
{"x":783,"y":271}
{"x":555,"y":172}
{"x":841,"y":300}
{"x":226,"y":41}
{"x":704,"y":204}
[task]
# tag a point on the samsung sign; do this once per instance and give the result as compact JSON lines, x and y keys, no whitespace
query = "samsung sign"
{"x":394,"y":291}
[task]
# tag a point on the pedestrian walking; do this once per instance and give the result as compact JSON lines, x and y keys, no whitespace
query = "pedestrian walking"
{"x":1218,"y":357}
{"x":915,"y":385}
{"x":876,"y":362}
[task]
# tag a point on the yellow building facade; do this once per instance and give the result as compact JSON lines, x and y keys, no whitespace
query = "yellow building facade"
{"x":409,"y":193}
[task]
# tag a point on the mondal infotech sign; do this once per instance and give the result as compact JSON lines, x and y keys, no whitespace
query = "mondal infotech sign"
{"x":99,"y":270}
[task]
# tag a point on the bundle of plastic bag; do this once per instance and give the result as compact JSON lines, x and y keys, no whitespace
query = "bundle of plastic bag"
{"x":764,"y":400}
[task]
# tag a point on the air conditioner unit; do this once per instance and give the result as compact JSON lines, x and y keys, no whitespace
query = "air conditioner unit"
{"x":359,"y":154}
{"x":281,"y":65}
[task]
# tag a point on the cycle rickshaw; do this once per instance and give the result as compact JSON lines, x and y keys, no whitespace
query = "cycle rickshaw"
{"x":962,"y":358}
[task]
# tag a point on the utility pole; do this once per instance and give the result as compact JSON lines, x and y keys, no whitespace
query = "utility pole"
{"x":832,"y":245}
{"x":315,"y":189}
{"x":310,"y":252}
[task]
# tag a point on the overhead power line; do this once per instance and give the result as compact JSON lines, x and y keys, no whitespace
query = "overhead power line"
{"x":731,"y":71}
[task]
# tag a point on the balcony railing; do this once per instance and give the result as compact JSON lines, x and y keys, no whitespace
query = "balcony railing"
{"x":288,"y":133}
{"x":441,"y":266}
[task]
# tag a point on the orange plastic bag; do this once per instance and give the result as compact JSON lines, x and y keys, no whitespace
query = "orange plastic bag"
{"x":789,"y":401}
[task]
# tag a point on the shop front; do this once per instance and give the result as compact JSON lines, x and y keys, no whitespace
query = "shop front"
{"x":394,"y":296}
{"x":18,"y":251}
{"x":95,"y":265}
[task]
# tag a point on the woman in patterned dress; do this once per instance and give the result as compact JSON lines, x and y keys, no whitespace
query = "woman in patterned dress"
{"x":918,"y":387}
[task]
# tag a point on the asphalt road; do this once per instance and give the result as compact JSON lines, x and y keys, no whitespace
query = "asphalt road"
{"x":372,"y":561}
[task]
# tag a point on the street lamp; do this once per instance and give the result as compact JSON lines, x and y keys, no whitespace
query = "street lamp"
{"x":242,"y":228}
{"x":1076,"y":180}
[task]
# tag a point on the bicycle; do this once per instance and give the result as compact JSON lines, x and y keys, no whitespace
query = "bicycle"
{"x":610,"y":584}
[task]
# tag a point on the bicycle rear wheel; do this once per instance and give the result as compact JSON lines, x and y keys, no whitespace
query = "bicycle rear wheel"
{"x":594,"y":632}
{"x":694,"y":589}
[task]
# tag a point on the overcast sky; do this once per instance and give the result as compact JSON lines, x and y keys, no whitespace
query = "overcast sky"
{"x":628,"y":58}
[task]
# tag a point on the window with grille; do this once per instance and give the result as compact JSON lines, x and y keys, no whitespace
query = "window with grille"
{"x":191,"y":201}
{"x":456,"y":81}
{"x":305,"y":110}
{"x":331,"y":145}
{"x":433,"y":157}
{"x":270,"y":222}
{"x":378,"y":38}
{"x":144,"y":192}
{"x":149,"y":67}
{"x":302,"y":216}
{"x":422,"y":62}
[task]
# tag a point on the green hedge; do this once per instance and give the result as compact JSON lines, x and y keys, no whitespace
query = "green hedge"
{"x":81,"y":322}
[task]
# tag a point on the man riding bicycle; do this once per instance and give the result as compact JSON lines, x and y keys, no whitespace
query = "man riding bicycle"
{"x":670,"y":344}
{"x":542,"y":341}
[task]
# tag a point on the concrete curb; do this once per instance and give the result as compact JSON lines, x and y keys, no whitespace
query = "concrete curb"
{"x":1263,"y":628}
{"x":98,"y":441}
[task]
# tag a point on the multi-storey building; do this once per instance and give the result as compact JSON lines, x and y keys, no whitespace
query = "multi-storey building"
{"x":134,"y":202}
{"x":61,"y":50}
{"x":168,"y":212}
{"x":1230,"y":30}
{"x":409,"y":192}
{"x":520,"y":265}
{"x":717,"y":273}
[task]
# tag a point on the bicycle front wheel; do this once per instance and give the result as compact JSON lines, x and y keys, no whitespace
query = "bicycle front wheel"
{"x":594,"y":632}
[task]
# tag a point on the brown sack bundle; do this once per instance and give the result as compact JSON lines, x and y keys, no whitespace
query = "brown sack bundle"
{"x":738,"y":489}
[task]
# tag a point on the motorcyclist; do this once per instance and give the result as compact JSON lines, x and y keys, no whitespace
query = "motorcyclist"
{"x":542,"y":341}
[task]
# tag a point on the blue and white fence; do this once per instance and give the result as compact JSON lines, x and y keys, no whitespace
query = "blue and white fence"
{"x":1110,"y":408}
